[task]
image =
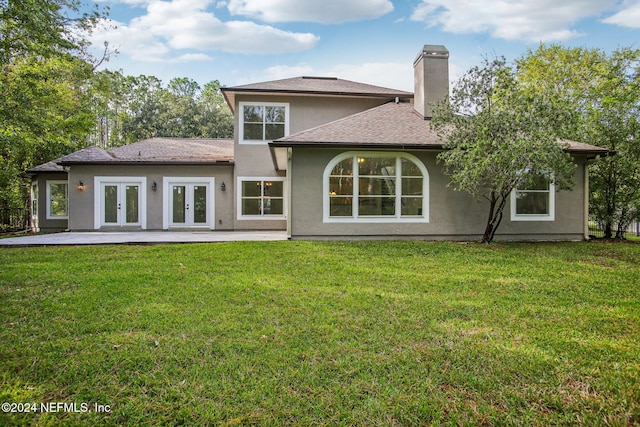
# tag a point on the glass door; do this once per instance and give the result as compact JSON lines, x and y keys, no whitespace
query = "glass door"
{"x":121,"y":204}
{"x":189,"y":204}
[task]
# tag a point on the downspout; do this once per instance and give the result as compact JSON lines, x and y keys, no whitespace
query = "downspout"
{"x":288,"y":181}
{"x":586,"y":199}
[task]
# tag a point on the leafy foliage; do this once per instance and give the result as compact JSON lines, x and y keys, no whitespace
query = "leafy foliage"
{"x":603,"y":92}
{"x":494,"y":132}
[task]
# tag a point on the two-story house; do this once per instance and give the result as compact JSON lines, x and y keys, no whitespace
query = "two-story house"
{"x":320,"y":157}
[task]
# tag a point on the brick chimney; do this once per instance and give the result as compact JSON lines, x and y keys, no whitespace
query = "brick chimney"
{"x":431,"y":78}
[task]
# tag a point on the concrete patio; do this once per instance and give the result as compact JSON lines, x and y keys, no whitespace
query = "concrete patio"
{"x":140,"y":237}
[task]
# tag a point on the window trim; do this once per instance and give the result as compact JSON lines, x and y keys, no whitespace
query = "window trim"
{"x":261,"y":217}
{"x":241,"y":106}
{"x":50,"y":215}
{"x":535,"y":217}
{"x":397,"y":218}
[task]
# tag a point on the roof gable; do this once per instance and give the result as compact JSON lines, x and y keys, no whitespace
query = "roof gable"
{"x":320,"y":86}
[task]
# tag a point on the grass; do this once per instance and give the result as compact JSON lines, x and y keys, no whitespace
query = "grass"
{"x":281,"y":333}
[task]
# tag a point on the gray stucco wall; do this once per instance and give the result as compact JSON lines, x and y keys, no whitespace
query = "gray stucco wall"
{"x":452,"y":215}
{"x":254,"y":160}
{"x":44,"y":224}
{"x":81,"y":203}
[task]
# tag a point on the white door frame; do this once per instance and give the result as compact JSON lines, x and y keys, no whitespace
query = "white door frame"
{"x":167,"y":194}
{"x":101,"y":181}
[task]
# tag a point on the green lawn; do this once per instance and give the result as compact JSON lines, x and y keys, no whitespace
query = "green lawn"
{"x":281,"y":333}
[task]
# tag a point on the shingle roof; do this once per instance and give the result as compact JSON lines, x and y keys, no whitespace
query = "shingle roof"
{"x":51,"y":166}
{"x":315,"y":85}
{"x":158,"y":151}
{"x":390,"y":125}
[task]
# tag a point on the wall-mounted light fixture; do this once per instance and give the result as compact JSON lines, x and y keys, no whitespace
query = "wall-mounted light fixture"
{"x":223,"y":186}
{"x":154,"y":186}
{"x":81,"y":186}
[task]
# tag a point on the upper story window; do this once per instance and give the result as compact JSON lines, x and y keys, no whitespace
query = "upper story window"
{"x":534,"y":201}
{"x":376,"y":187}
{"x":262,"y":122}
{"x":57,"y":199}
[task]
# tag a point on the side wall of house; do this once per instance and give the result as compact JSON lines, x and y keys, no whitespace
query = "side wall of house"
{"x":44,"y":224}
{"x":82,"y":202}
{"x":305,"y":112}
{"x":453,"y":215}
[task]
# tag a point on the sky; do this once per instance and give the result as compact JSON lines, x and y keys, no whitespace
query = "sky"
{"x":370,"y":41}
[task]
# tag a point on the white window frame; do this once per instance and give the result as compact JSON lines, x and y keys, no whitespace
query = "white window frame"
{"x":355,"y":218}
{"x":50,"y":214}
{"x":98,"y":181}
{"x":167,"y":182}
{"x":261,"y":217}
{"x":534,"y":217}
{"x":241,"y":106}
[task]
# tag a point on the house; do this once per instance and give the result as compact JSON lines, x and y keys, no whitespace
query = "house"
{"x":322,"y":158}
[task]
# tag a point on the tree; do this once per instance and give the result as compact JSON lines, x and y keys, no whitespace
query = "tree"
{"x":44,"y":69}
{"x":498,"y":138}
{"x":603,"y":92}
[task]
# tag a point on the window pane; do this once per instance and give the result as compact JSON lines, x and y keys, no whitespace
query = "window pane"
{"x":253,"y":113}
{"x":536,"y":182}
{"x":253,"y":132}
{"x":273,"y":206}
{"x":345,"y":167}
{"x":341,"y":186}
{"x":251,"y":206}
{"x":110,"y":204}
{"x":179,"y":203}
{"x":410,"y":169}
{"x":273,"y":131}
{"x":274,"y":188}
{"x":274,"y":114}
{"x":532,"y":203}
{"x":251,"y":189}
{"x":377,"y":186}
{"x":131,"y":194}
{"x":377,"y":166}
{"x":58,"y":191}
{"x":377,"y":206}
{"x":341,"y":206}
{"x":199,"y":204}
{"x":411,"y":206}
{"x":412,"y":186}
{"x":59,"y":207}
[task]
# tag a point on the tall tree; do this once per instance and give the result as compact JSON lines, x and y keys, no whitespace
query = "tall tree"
{"x":497,"y":139}
{"x":44,"y":68}
{"x":603,"y":92}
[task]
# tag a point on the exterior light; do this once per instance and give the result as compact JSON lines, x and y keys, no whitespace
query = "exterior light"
{"x":154,"y":186}
{"x":223,"y":186}
{"x":81,"y":186}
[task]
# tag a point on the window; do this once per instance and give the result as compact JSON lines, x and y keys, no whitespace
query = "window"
{"x":57,"y":199}
{"x":261,"y":198}
{"x":534,"y":201}
{"x":263,"y":122}
{"x":375,"y":187}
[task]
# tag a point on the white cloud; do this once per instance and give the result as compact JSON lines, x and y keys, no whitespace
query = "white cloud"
{"x":320,"y":11}
{"x":628,"y":17}
{"x":527,"y":20}
{"x":187,"y":25}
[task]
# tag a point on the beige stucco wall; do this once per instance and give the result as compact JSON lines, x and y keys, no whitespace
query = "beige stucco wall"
{"x":305,"y":112}
{"x":452,"y":214}
{"x":81,"y":203}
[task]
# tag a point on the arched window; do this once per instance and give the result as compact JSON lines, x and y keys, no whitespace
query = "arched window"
{"x":376,"y":187}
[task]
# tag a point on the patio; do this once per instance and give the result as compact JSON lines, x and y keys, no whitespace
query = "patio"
{"x":139,"y":237}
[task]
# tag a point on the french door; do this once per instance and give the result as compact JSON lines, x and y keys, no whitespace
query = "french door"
{"x":190,"y":203}
{"x":121,"y":203}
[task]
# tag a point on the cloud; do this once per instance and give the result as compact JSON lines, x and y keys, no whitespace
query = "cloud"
{"x":526,"y":20}
{"x":628,"y":17}
{"x":319,"y":11}
{"x":188,"y":25}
